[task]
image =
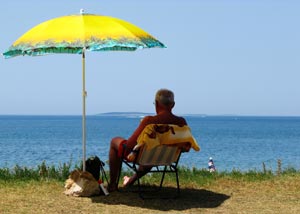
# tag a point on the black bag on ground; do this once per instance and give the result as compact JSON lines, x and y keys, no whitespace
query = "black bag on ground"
{"x":93,"y":166}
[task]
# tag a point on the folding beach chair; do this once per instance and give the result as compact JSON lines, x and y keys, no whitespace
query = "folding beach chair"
{"x":160,"y":150}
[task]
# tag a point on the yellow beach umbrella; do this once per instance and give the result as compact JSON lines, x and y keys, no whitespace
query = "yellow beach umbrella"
{"x":75,"y":34}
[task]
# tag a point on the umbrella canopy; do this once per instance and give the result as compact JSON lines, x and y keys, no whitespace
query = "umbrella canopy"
{"x":74,"y":34}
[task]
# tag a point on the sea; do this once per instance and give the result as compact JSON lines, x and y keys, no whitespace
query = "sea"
{"x":234,"y":142}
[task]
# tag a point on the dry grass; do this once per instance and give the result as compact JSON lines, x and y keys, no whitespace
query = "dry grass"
{"x":225,"y":195}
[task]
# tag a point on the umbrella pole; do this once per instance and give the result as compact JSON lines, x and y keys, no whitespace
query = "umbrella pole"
{"x":83,"y":111}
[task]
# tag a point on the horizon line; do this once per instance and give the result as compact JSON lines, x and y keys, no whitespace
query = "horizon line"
{"x":145,"y":114}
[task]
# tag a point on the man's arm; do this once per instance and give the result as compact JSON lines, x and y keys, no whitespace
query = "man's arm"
{"x":131,"y":142}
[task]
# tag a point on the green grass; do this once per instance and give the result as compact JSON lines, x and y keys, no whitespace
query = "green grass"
{"x":39,"y":190}
{"x":41,"y":172}
{"x":188,"y":176}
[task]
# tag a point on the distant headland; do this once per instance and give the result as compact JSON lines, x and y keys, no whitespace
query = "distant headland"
{"x":124,"y":114}
{"x":139,"y":114}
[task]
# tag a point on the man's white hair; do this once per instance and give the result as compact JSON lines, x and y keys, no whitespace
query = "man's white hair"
{"x":165,"y":97}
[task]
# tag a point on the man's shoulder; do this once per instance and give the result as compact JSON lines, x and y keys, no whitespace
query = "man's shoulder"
{"x":149,"y":119}
{"x":182,"y":119}
{"x":162,"y":119}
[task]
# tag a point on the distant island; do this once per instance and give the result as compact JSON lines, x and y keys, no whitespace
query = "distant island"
{"x":140,"y":114}
{"x":124,"y":114}
{"x":143,"y":114}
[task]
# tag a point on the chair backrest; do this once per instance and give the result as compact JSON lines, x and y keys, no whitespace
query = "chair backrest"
{"x":168,"y":134}
{"x":162,"y":155}
{"x":161,"y":144}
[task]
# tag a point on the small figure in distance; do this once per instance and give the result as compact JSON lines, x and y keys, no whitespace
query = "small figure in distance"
{"x":211,"y":165}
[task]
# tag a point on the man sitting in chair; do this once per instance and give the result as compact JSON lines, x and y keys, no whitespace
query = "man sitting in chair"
{"x":164,"y":103}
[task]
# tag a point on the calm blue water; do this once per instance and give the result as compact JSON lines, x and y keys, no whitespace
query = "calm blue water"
{"x":234,"y":142}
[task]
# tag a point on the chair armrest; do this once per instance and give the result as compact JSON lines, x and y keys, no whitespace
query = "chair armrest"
{"x":134,"y":153}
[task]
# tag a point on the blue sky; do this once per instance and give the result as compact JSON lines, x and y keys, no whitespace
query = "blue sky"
{"x":223,"y":57}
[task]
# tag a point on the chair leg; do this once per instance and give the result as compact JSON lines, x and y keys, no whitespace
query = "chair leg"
{"x":173,"y":169}
{"x":163,"y":177}
{"x":177,"y":180}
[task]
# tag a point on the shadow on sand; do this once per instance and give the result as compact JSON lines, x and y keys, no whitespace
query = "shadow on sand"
{"x":189,"y":198}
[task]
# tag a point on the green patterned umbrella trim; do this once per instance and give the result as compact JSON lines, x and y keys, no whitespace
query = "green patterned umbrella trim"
{"x":93,"y":44}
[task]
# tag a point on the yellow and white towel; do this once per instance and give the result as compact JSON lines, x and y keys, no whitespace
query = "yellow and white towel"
{"x":158,"y":134}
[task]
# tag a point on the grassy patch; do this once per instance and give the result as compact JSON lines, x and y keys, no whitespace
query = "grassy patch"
{"x":40,"y":190}
{"x":41,"y":172}
{"x":201,"y":192}
{"x":188,"y":176}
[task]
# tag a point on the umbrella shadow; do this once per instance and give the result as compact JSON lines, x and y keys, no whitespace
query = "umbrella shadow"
{"x":189,"y":198}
